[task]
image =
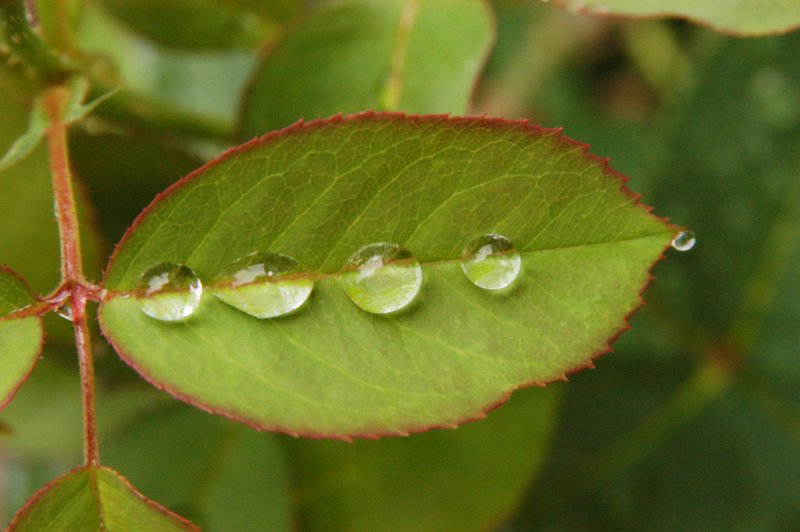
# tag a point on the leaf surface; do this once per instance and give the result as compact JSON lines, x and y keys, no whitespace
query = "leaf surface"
{"x":20,"y":337}
{"x":418,"y":56}
{"x":95,"y":498}
{"x":319,"y":192}
{"x":744,"y":17}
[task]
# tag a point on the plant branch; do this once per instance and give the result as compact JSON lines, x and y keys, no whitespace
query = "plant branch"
{"x":71,"y":265}
{"x":26,"y":46}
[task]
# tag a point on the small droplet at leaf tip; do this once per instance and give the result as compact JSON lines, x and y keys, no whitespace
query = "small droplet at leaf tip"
{"x":684,"y":240}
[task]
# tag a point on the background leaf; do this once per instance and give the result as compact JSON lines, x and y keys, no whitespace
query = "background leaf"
{"x":334,"y":370}
{"x":419,"y":56}
{"x":467,"y":479}
{"x":204,"y":24}
{"x":20,"y":337}
{"x":747,"y":17}
{"x":220,"y":475}
{"x":644,"y":443}
{"x":94,"y":499}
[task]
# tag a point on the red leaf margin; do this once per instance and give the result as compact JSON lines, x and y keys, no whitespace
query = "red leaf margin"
{"x":35,"y":313}
{"x":44,"y":490}
{"x":500,"y":124}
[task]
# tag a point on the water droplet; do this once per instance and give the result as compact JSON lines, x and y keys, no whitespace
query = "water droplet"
{"x":264,"y":285}
{"x":169,"y":292}
{"x":491,"y":262}
{"x":382,"y":278}
{"x":684,"y":241}
{"x":65,"y":311}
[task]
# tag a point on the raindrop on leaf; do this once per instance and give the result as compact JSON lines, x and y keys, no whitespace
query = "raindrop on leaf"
{"x":491,"y":262}
{"x":169,"y":292}
{"x":264,"y":285}
{"x":382,"y":278}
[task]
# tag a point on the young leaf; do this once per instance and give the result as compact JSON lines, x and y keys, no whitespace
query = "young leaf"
{"x":25,"y":143}
{"x":418,"y":56}
{"x":744,"y":17}
{"x":21,"y":337}
{"x":432,"y":184}
{"x":94,"y":498}
{"x":37,"y":123}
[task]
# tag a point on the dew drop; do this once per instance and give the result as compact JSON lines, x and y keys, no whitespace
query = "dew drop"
{"x":264,"y":285}
{"x":169,"y":292}
{"x":382,"y":278}
{"x":65,"y":311}
{"x":684,"y":241}
{"x":491,"y":262}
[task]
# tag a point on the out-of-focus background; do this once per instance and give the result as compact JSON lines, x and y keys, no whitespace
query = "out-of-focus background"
{"x":693,"y":422}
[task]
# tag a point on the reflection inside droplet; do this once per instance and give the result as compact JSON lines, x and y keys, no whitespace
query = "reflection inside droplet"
{"x":169,"y":292}
{"x":491,"y":262}
{"x":264,"y":285}
{"x":382,"y":278}
{"x":684,"y":241}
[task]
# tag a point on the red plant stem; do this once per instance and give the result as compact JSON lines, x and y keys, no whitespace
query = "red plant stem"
{"x":71,"y":264}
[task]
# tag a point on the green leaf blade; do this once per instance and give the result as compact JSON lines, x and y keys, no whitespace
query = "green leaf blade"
{"x":418,"y":56}
{"x":21,"y":337}
{"x":745,"y":17}
{"x":94,"y":498}
{"x":432,"y":184}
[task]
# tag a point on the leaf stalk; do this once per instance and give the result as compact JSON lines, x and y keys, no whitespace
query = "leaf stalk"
{"x":71,"y":260}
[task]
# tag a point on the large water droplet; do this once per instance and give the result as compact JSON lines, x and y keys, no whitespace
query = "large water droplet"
{"x":264,"y":285}
{"x":382,"y":278}
{"x":169,"y":292}
{"x":491,"y":262}
{"x":684,"y":241}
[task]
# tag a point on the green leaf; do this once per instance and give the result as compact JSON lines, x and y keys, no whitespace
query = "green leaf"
{"x":467,"y":479}
{"x":226,"y":478}
{"x":320,"y":191}
{"x":197,"y":23}
{"x":743,"y":17}
{"x":418,"y":56}
{"x":25,"y":143}
{"x":94,"y":498}
{"x":21,"y":337}
{"x":38,"y":122}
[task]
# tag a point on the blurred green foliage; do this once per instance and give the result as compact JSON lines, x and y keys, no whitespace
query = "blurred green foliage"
{"x":692,"y":423}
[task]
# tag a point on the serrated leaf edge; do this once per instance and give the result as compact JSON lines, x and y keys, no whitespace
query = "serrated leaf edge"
{"x":41,"y":492}
{"x":373,"y":115}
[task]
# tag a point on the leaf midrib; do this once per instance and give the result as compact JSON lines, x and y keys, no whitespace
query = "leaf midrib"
{"x":322,"y":276}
